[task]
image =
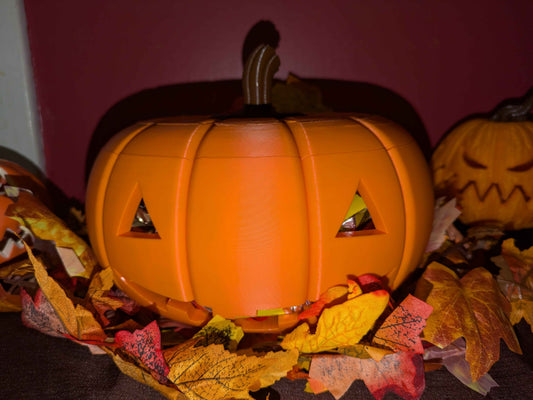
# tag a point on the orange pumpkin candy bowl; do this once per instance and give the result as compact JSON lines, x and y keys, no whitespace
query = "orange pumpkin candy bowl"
{"x":256,"y":216}
{"x":487,"y":164}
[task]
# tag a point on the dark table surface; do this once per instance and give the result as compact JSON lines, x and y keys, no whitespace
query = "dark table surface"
{"x":37,"y":366}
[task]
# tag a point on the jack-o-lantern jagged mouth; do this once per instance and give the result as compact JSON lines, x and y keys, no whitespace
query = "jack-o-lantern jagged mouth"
{"x":496,"y":187}
{"x":12,"y":240}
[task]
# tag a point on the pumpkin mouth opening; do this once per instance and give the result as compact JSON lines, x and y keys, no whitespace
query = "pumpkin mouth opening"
{"x":494,"y":187}
{"x":195,"y":314}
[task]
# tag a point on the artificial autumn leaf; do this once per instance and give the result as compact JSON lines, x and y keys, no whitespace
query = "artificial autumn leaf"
{"x":98,"y":293}
{"x":402,"y":328}
{"x":39,"y":314}
{"x":79,"y":321}
{"x":453,"y":358}
{"x":129,"y":306}
{"x":71,"y":262}
{"x":316,"y":308}
{"x":145,"y":344}
{"x":314,"y":386}
{"x":523,"y":261}
{"x":9,"y":302}
{"x":341,"y":325}
{"x":401,"y":373}
{"x":297,"y":373}
{"x":16,"y":275}
{"x":516,"y":280}
{"x":212,"y":373}
{"x":522,"y":308}
{"x":220,"y":331}
{"x":365,"y":283}
{"x":140,"y":375}
{"x":445,"y":214}
{"x":29,"y":211}
{"x":472,"y":307}
{"x":17,"y":268}
{"x":364,"y":351}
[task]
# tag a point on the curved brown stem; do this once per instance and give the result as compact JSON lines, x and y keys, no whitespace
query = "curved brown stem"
{"x":258,"y":73}
{"x":515,"y":112}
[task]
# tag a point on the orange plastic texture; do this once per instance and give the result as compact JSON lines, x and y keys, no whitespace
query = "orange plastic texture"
{"x":247,"y":212}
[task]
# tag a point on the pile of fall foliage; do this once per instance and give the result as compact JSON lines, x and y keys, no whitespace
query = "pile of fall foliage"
{"x":455,"y":317}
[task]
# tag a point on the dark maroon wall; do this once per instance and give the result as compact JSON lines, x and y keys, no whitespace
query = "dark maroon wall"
{"x":448,"y":59}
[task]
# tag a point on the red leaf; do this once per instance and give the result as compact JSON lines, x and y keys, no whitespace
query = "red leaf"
{"x":145,"y":344}
{"x":39,"y":314}
{"x":401,"y":373}
{"x":316,"y":308}
{"x":370,"y":283}
{"x":401,"y":330}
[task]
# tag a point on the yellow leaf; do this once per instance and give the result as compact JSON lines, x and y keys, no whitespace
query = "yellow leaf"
{"x":45,"y":225}
{"x":364,"y":351}
{"x":516,"y":280}
{"x":100,"y":284}
{"x":509,"y":247}
{"x":214,"y":373}
{"x":18,"y":268}
{"x":522,"y":308}
{"x":282,"y":363}
{"x":102,"y":281}
{"x":333,"y":293}
{"x":79,"y":321}
{"x":341,"y":325}
{"x":9,"y":302}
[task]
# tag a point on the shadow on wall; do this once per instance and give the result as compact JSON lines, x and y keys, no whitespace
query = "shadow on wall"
{"x":53,"y":197}
{"x":215,"y":98}
{"x":24,"y":162}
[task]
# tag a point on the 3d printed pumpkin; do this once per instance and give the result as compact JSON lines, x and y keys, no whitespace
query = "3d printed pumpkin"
{"x":14,"y":176}
{"x":488,"y":165}
{"x":256,"y":216}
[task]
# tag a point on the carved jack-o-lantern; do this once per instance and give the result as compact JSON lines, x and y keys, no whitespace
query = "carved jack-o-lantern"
{"x":12,"y":179}
{"x":488,"y":165}
{"x":248,"y":217}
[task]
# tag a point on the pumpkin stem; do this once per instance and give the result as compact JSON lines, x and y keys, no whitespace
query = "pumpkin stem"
{"x":257,"y":77}
{"x":515,"y":112}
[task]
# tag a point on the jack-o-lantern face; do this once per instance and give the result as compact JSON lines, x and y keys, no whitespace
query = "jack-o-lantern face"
{"x":252,"y":217}
{"x":488,"y":166}
{"x":245,"y":216}
{"x":12,"y":179}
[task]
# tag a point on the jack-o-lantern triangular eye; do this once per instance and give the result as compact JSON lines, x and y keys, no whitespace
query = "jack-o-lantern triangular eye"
{"x":357,"y":218}
{"x":142,"y":222}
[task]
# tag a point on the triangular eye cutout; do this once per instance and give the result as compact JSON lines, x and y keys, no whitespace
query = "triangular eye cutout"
{"x":357,"y":218}
{"x":142,"y":222}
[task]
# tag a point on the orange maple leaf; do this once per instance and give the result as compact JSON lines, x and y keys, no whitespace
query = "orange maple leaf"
{"x":402,"y":328}
{"x":516,"y":280}
{"x":471,"y":307}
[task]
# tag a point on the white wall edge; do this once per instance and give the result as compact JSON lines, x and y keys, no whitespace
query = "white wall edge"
{"x":20,"y":127}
